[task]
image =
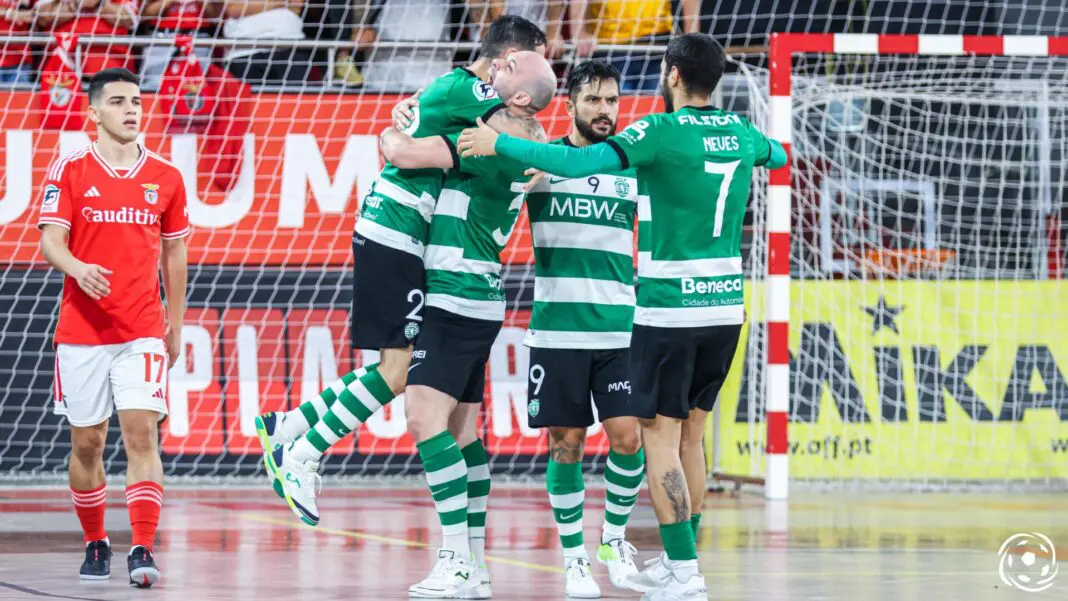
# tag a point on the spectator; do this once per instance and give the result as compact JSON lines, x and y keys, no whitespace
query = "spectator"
{"x":267,"y":20}
{"x":630,"y":22}
{"x":546,"y":14}
{"x":342,"y":20}
{"x":15,"y":64}
{"x":88,"y":18}
{"x":167,"y":18}
{"x":398,"y":69}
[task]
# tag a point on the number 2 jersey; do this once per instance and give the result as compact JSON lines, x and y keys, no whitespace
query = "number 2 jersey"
{"x":583,"y":233}
{"x":116,"y":219}
{"x":694,"y":170}
{"x":400,"y":205}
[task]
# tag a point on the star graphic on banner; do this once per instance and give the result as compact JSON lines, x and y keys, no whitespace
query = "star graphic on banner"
{"x":883,"y":315}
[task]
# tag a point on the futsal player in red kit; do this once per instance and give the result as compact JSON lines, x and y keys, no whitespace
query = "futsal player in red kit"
{"x":110,"y":215}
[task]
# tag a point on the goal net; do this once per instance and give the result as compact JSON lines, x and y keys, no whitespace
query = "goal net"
{"x":924,"y":230}
{"x":275,"y":171}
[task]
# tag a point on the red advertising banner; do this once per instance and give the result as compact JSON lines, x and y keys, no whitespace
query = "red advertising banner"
{"x":238,"y":363}
{"x":307,"y":162}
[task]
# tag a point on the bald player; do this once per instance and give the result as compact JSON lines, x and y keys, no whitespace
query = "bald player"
{"x":472,"y":221}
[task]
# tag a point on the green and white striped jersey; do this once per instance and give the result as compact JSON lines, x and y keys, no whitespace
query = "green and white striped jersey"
{"x":397,"y":211}
{"x":694,"y":174}
{"x":583,"y":231}
{"x":473,"y":219}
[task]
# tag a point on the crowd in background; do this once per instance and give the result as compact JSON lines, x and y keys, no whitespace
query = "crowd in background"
{"x":378,"y":45}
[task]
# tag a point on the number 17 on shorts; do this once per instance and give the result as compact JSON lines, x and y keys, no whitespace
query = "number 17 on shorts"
{"x":91,"y":381}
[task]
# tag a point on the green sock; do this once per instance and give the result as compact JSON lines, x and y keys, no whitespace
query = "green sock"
{"x":623,"y":479}
{"x":695,"y":524}
{"x":478,"y":490}
{"x":567,"y":493}
{"x":446,"y":475}
{"x":359,"y":401}
{"x":313,"y":410}
{"x":678,"y":541}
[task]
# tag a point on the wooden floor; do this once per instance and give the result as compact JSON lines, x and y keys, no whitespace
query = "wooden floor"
{"x":244,"y":544}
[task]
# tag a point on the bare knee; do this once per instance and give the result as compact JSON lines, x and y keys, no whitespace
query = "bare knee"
{"x":393,"y":367}
{"x":87,"y":444}
{"x":566,"y":444}
{"x":693,"y":431}
{"x":140,"y":440}
{"x":427,"y":414}
{"x":624,"y":434}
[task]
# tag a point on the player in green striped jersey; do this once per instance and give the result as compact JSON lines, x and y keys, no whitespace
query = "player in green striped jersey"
{"x":583,"y":234}
{"x":388,"y":277}
{"x":695,"y":163}
{"x":473,"y":219}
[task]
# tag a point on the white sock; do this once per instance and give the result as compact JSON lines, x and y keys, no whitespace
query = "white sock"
{"x":293,"y":425}
{"x":610,"y":532}
{"x":302,"y":450}
{"x":478,"y":551}
{"x":458,"y":544}
{"x":575,"y":553}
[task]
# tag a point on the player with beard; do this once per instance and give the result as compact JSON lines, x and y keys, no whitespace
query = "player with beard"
{"x":694,"y":165}
{"x":583,"y":231}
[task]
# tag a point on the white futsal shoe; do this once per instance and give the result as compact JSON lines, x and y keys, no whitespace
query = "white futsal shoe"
{"x":580,"y":582}
{"x":300,"y":484}
{"x":681,"y":585}
{"x":451,"y":578}
{"x":654,"y":576}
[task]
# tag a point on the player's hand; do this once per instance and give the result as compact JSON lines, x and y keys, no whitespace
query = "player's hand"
{"x":479,"y":141}
{"x":555,"y":48}
{"x":585,"y":44}
{"x":173,"y":341}
{"x":404,"y":111}
{"x":535,"y":177}
{"x":93,"y":281}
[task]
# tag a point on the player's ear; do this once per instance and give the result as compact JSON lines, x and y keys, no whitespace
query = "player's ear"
{"x":569,"y":106}
{"x":520,"y":99}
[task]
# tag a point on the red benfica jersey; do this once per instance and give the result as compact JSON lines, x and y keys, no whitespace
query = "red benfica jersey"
{"x":116,"y":219}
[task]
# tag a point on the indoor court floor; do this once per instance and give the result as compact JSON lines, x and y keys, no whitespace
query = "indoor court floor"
{"x":244,"y":544}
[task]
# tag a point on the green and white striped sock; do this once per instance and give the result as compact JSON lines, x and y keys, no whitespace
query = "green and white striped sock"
{"x":356,"y":403}
{"x":296,"y":422}
{"x":446,"y":476}
{"x":478,"y":489}
{"x":622,"y":479}
{"x":567,"y":494}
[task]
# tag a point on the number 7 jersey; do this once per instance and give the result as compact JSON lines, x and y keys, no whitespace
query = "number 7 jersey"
{"x":694,"y":171}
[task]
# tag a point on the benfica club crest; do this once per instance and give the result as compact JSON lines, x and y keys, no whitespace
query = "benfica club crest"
{"x":60,"y":88}
{"x":151,"y":193}
{"x":194,"y":100}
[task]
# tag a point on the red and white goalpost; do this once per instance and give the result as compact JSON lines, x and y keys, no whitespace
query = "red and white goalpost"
{"x":997,"y":82}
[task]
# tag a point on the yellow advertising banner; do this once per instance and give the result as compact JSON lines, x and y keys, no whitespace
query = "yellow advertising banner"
{"x":912,"y":380}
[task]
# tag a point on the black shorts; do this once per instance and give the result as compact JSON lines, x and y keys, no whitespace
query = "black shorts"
{"x":675,"y":370}
{"x":560,"y":383}
{"x":387,"y":296}
{"x":451,"y":353}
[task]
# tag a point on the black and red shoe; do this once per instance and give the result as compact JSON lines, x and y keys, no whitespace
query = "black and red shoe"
{"x":143,"y":570}
{"x":97,"y":564}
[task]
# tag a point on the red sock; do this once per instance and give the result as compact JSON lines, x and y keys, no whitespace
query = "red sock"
{"x":90,"y":506}
{"x":144,"y":500}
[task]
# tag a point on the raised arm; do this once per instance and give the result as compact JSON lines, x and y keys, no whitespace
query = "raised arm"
{"x":778,"y":155}
{"x":560,"y":160}
{"x":406,"y":152}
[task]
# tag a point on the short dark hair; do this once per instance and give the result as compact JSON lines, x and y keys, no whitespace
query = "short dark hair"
{"x":589,"y":72}
{"x":699,"y":59}
{"x":511,"y":31}
{"x":103,"y":78}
